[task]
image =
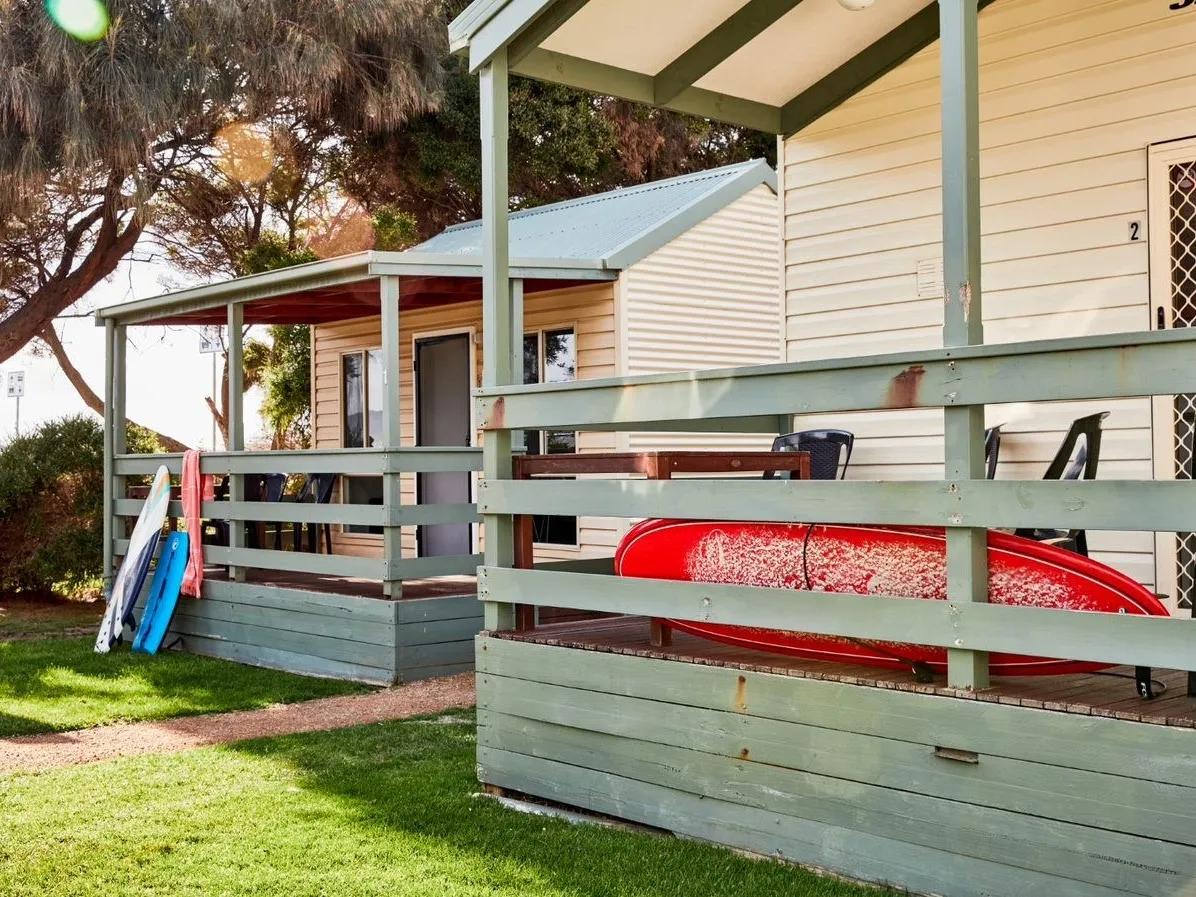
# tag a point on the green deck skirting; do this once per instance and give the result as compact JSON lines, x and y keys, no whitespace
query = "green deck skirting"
{"x":320,"y":634}
{"x":844,"y":776}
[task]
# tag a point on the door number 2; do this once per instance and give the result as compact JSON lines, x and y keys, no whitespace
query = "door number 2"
{"x":1136,"y":226}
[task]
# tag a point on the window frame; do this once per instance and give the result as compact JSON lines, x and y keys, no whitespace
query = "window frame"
{"x":353,"y":531}
{"x":541,"y":334}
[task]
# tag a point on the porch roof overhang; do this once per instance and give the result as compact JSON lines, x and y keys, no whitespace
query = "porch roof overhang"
{"x":772,"y":65}
{"x":346,"y":287}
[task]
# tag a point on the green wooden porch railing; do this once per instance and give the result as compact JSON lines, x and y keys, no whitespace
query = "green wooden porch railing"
{"x":745,"y":399}
{"x":388,"y":568}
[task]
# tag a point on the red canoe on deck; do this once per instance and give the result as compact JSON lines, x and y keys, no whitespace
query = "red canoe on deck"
{"x":906,"y":562}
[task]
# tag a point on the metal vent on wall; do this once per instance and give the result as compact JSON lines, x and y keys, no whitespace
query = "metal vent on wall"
{"x":1182,"y":205}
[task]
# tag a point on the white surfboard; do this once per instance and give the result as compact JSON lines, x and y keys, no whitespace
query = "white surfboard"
{"x":131,"y":576}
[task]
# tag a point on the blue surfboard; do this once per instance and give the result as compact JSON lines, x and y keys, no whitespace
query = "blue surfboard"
{"x":163,"y":594}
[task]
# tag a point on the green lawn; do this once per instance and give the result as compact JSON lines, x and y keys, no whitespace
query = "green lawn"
{"x":384,"y":809}
{"x":55,"y":684}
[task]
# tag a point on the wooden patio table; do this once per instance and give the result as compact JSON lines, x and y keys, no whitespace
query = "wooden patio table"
{"x":659,"y":465}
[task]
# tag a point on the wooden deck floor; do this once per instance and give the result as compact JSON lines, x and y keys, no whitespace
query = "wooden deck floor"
{"x":1096,"y":694}
{"x":441,"y":587}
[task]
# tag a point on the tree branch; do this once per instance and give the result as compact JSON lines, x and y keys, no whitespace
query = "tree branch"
{"x":50,"y":337}
{"x":64,"y":290}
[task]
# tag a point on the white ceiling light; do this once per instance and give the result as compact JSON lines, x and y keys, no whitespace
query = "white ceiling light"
{"x":855,"y":5}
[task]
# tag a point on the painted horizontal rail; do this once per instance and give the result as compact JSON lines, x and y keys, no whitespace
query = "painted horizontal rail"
{"x":1147,"y":505}
{"x":426,"y":515}
{"x":290,"y":561}
{"x":429,"y":459}
{"x":294,"y":512}
{"x":270,"y":512}
{"x":428,"y":567}
{"x":1073,"y":635}
{"x":1093,"y":367}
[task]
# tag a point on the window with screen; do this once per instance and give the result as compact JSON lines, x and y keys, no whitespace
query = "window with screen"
{"x":550,"y":356}
{"x":362,"y":395}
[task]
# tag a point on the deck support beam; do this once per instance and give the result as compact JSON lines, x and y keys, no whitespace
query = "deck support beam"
{"x":736,"y":32}
{"x":115,"y":382}
{"x":235,"y":420}
{"x":499,"y":338}
{"x":967,"y":548}
{"x":392,"y":486}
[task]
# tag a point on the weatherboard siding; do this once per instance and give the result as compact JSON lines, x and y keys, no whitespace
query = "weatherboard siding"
{"x":588,"y":309}
{"x":707,"y":299}
{"x":311,"y":633}
{"x":1072,"y":92}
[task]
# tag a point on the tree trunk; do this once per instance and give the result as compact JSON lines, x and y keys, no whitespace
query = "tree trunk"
{"x":50,"y":337}
{"x":220,"y":412}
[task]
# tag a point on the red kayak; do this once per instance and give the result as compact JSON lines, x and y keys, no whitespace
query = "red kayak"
{"x":905,"y":562}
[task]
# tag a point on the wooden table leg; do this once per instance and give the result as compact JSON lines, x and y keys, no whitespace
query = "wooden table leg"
{"x":660,"y":634}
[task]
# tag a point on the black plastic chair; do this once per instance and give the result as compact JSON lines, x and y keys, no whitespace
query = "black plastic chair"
{"x":318,"y":489}
{"x":1065,"y":467}
{"x":826,"y":448}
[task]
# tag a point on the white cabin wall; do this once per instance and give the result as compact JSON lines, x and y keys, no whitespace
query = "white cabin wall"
{"x":1072,"y":93}
{"x":708,"y":299}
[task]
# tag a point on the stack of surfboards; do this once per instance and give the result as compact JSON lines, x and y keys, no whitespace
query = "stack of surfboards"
{"x":130,"y":578}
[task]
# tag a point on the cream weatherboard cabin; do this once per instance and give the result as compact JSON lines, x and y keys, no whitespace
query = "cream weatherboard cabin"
{"x":669,"y":276}
{"x":988,"y":220}
{"x":1088,"y":215}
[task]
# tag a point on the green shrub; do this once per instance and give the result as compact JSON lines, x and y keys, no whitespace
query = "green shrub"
{"x":51,"y":498}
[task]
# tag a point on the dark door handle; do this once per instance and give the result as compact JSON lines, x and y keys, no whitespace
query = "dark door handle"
{"x":1161,"y":319}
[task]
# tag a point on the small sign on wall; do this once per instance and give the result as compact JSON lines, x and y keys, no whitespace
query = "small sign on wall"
{"x":930,"y":279}
{"x":1137,"y":233}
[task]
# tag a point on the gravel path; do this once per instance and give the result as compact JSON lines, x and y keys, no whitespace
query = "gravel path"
{"x":28,"y":753}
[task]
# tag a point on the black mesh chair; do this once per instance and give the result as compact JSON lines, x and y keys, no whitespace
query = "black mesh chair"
{"x":828,"y":449}
{"x":265,"y":487}
{"x":1065,"y":467}
{"x":318,"y":489}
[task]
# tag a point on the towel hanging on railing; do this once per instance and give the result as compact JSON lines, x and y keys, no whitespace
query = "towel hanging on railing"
{"x":196,"y":489}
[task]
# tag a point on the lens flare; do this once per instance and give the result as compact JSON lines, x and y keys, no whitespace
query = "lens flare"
{"x":245,"y":152}
{"x":85,"y":20}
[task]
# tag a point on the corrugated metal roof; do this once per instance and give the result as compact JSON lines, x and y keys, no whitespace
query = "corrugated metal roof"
{"x":618,"y":227}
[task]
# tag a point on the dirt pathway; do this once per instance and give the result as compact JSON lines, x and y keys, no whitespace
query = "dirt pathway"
{"x":28,"y":753}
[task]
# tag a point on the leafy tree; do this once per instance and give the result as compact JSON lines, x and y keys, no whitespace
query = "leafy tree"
{"x":101,"y":140}
{"x":564,"y":143}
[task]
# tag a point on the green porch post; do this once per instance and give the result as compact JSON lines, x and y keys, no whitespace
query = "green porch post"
{"x":967,"y":553}
{"x":236,"y":426}
{"x":518,"y":441}
{"x":114,"y":440}
{"x":392,"y":488}
{"x":498,"y":335}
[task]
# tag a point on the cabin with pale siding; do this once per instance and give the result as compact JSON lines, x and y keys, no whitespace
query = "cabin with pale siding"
{"x":698,"y":267}
{"x":1076,"y":101}
{"x":1024,"y":165}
